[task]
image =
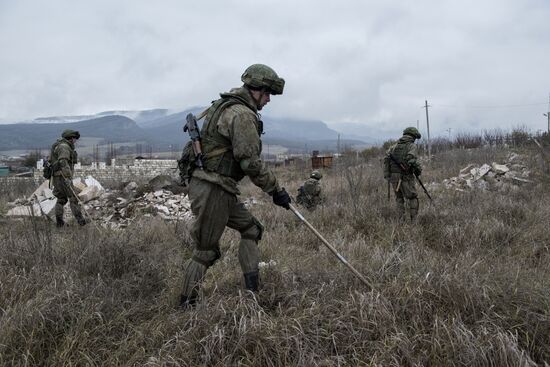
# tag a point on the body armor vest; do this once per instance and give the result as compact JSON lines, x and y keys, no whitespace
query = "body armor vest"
{"x":216,"y":147}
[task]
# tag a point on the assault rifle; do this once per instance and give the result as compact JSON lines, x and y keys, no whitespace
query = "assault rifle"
{"x":407,"y":170}
{"x":195,"y":135}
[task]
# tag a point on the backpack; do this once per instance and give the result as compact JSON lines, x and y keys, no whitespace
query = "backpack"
{"x":186,"y":164}
{"x":47,"y":170}
{"x":50,"y":167}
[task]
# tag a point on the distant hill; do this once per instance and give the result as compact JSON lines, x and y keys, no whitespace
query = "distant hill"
{"x":139,"y":117}
{"x":162,"y":131}
{"x":39,"y":136}
{"x":297,"y":129}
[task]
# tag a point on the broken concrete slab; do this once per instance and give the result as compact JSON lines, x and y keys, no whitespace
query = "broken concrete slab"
{"x":79,"y":185}
{"x":90,"y":181}
{"x":478,"y":173}
{"x":499,"y":169}
{"x":45,"y":207}
{"x":89,"y":193}
{"x":466,"y":170}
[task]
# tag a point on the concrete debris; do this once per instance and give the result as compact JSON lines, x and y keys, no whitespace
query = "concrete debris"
{"x":115,"y":211}
{"x":478,"y":173}
{"x":496,"y":176}
{"x":109,"y":208}
{"x":499,"y":169}
{"x":268,"y":264}
{"x":89,"y":193}
{"x":42,"y":201}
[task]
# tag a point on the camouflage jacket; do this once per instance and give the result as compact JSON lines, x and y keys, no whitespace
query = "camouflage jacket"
{"x":405,"y":152}
{"x":63,"y":157}
{"x":239,"y":123}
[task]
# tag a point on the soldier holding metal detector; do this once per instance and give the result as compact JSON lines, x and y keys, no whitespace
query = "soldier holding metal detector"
{"x":60,"y":169}
{"x":227,"y":149}
{"x":401,"y":168}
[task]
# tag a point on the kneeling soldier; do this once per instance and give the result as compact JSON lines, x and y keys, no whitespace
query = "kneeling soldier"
{"x":309,"y":195}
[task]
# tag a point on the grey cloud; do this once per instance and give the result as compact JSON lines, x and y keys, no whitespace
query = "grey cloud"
{"x":370,"y":63}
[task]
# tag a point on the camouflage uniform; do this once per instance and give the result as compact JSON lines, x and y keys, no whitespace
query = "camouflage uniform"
{"x":309,"y":195}
{"x":63,"y":157}
{"x":232,"y":147}
{"x":403,"y":182}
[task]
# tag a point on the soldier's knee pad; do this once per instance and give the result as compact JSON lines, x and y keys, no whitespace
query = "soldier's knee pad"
{"x":206,"y":258}
{"x":254,"y":231}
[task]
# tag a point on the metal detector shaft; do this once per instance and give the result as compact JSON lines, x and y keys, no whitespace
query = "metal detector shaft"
{"x":330,"y":247}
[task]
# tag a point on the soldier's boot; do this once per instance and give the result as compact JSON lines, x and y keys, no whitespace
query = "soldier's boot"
{"x":413,"y":208}
{"x":249,"y":255}
{"x":59,"y":222}
{"x":187,"y":302}
{"x":252,"y":280}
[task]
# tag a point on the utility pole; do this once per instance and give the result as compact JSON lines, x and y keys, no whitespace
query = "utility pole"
{"x":548,"y":114}
{"x":338,"y":145}
{"x":428,"y":127}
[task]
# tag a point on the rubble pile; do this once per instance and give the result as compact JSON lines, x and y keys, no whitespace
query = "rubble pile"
{"x":112,"y":208}
{"x":42,"y":201}
{"x":491,"y":177}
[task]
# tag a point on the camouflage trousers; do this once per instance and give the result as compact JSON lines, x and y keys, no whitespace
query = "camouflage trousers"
{"x":64,"y":193}
{"x":214,"y":209}
{"x":404,"y":187}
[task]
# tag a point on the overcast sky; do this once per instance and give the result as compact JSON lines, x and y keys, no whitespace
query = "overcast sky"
{"x":480,"y":64}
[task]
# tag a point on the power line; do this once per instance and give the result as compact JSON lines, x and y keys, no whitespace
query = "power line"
{"x":494,"y":106}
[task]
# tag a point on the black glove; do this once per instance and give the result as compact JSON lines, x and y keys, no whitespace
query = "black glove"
{"x":68,"y":182}
{"x":282,"y":198}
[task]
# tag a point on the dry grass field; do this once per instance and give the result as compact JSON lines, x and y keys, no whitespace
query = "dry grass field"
{"x":467,"y":285}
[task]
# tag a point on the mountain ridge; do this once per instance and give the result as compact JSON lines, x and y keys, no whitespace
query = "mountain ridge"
{"x":160,"y":129}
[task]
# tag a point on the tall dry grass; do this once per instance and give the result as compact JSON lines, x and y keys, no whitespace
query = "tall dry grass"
{"x":468,"y":284}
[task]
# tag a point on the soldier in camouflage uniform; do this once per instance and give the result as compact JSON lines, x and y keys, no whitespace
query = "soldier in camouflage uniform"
{"x":63,"y":157}
{"x":401,"y":174}
{"x":309,"y":195}
{"x":232,"y":147}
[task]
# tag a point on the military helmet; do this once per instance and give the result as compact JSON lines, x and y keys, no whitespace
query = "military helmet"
{"x":412,"y":131}
{"x":68,"y":134}
{"x":316,"y":175}
{"x":262,"y":76}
